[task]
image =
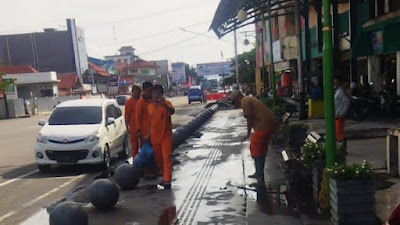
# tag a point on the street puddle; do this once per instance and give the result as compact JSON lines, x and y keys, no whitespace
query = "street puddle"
{"x":168,"y":216}
{"x":272,"y":199}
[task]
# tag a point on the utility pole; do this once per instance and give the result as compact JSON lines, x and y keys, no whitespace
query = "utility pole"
{"x":91,"y":72}
{"x":300,"y":70}
{"x":328,"y":65}
{"x":271,"y":54}
{"x":236,"y":59}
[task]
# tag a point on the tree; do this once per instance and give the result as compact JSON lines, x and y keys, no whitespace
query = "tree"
{"x":247,"y":68}
{"x":190,"y":72}
{"x":4,"y":84}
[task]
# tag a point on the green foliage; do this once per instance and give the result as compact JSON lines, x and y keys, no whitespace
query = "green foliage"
{"x":279,"y":107}
{"x":310,"y":152}
{"x":4,"y":84}
{"x":351,"y":172}
{"x":247,"y":65}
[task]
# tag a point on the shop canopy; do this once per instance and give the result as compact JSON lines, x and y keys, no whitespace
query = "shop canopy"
{"x":381,"y":36}
{"x":225,"y":18}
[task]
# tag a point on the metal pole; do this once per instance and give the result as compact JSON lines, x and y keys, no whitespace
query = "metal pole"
{"x":6,"y":106}
{"x":328,"y":65}
{"x":300,"y":70}
{"x":271,"y":54}
{"x":236,"y":60}
{"x":264,"y":79}
{"x":353,"y":38}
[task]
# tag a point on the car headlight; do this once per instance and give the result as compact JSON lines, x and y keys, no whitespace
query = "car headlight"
{"x":93,"y":138}
{"x":41,"y":139}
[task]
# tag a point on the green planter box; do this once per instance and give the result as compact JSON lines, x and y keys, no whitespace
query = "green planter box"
{"x":352,"y":202}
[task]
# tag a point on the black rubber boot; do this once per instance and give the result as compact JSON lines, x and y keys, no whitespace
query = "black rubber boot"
{"x":259,"y":163}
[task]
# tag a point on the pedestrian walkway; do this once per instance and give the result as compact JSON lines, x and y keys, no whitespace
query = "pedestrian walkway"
{"x":209,"y":186}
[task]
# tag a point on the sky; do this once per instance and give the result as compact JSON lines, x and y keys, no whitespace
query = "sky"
{"x":152,"y":27}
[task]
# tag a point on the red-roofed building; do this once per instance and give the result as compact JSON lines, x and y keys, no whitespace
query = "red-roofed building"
{"x":69,"y":83}
{"x":18,"y":69}
{"x":100,"y":76}
{"x":140,"y":71}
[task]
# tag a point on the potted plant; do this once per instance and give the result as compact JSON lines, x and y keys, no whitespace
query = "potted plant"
{"x":296,"y":133}
{"x":313,"y":158}
{"x":352,"y":194}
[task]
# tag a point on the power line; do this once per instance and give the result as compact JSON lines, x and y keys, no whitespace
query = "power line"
{"x":159,"y":13}
{"x":183,"y":29}
{"x":171,"y":45}
{"x":149,"y":36}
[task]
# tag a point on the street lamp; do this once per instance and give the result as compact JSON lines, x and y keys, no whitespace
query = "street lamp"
{"x":242,"y":15}
{"x":246,"y":42}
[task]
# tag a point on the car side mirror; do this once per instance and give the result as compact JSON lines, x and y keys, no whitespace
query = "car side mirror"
{"x":42,"y":122}
{"x":110,"y":120}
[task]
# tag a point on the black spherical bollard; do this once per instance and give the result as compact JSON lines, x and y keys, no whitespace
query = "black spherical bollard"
{"x":68,"y":213}
{"x":127,"y":176}
{"x":103,"y":194}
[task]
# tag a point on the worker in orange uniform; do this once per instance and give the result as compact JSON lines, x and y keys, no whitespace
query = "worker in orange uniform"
{"x":130,"y":118}
{"x":260,"y":119}
{"x":160,"y":133}
{"x":342,"y":104}
{"x":142,"y":115}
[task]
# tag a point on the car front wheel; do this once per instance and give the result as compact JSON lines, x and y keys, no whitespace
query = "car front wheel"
{"x":107,"y":158}
{"x":125,"y":149}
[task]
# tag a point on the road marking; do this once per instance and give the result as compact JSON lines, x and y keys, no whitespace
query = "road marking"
{"x":18,"y":178}
{"x":7,"y":215}
{"x":28,"y":204}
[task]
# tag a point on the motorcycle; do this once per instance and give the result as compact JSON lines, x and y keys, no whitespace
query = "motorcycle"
{"x":389,"y":101}
{"x":363,"y":103}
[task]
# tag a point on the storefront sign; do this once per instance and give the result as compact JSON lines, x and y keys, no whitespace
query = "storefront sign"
{"x":277,"y":51}
{"x":376,"y":41}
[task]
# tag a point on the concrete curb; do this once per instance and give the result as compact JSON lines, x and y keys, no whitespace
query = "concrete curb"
{"x":182,"y":133}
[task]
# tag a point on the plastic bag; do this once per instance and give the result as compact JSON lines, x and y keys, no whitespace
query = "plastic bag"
{"x":145,"y":157}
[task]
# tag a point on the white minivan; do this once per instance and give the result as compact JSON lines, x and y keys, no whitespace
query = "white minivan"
{"x":83,"y":131}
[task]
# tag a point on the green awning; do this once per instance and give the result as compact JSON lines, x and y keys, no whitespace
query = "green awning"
{"x":379,"y":38}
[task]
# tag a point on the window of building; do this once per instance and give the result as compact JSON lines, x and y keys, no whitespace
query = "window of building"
{"x":376,"y":8}
{"x":133,"y":71}
{"x":145,"y":71}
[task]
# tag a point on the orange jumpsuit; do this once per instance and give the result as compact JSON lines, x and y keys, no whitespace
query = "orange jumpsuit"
{"x":142,"y":116}
{"x":259,"y":143}
{"x":340,"y":121}
{"x":161,"y":138}
{"x":130,"y":114}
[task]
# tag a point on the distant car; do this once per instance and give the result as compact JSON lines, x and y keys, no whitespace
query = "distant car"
{"x":195,"y":94}
{"x":83,"y":131}
{"x":121,"y":99}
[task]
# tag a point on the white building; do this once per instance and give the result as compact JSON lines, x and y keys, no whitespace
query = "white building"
{"x":126,"y":55}
{"x":31,"y":85}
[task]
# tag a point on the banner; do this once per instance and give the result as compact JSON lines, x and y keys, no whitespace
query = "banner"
{"x":178,"y":73}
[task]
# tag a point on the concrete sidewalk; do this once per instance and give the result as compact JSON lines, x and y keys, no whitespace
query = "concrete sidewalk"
{"x":370,"y":128}
{"x":210,"y":186}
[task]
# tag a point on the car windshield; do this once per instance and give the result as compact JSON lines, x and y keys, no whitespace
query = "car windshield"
{"x":76,"y":115}
{"x":194,"y":91}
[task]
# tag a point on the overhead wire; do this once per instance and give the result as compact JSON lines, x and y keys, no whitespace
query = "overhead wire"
{"x":153,"y":35}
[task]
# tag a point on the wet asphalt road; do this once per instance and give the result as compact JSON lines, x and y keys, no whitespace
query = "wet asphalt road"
{"x":23,"y":190}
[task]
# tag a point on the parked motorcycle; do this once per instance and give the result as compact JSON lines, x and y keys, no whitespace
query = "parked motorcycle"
{"x":363,"y":103}
{"x":389,"y":101}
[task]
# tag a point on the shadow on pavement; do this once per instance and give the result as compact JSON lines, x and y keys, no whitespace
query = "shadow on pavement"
{"x":58,"y":170}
